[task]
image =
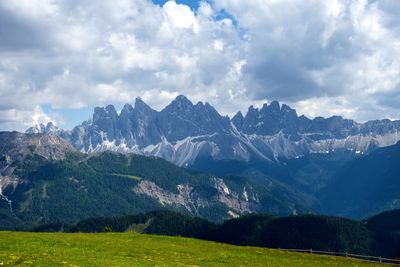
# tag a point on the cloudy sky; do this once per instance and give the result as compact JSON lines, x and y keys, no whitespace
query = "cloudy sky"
{"x":60,"y":58}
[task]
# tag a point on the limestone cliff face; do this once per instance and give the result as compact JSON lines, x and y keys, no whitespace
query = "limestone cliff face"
{"x":193,"y":201}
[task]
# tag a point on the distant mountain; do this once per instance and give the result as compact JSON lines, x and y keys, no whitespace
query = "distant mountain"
{"x":44,"y":128}
{"x":365,"y":186}
{"x":15,"y":147}
{"x":183,"y":132}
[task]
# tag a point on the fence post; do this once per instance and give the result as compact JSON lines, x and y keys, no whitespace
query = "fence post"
{"x":311,"y":250}
{"x":347,"y":255}
{"x":380,"y":259}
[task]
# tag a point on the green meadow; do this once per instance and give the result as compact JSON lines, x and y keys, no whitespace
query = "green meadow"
{"x":132,"y":249}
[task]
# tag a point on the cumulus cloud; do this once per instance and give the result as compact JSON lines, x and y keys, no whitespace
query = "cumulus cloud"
{"x":323,"y":57}
{"x":20,"y":118}
{"x":320,"y":51}
{"x":73,"y":54}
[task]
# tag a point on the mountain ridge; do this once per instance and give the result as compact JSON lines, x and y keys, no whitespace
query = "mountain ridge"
{"x":182,"y":132}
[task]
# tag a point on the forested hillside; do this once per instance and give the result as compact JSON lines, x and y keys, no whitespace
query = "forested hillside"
{"x":43,"y":182}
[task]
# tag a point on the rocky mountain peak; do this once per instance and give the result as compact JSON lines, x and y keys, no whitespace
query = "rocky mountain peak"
{"x":270,"y":119}
{"x":272,"y":108}
{"x":238,"y":115}
{"x":200,"y":104}
{"x":43,"y":128}
{"x":110,"y":109}
{"x":237,"y":120}
{"x":183,"y":99}
{"x":180,"y":105}
{"x":252,"y":112}
{"x":101,"y":113}
{"x":275,"y":106}
{"x":106,"y":120}
{"x":286,"y":109}
{"x":17,"y":146}
{"x":209,"y":107}
{"x":141,"y":109}
{"x":126,"y":110}
{"x":37,"y":128}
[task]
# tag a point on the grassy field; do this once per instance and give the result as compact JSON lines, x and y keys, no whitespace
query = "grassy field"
{"x":131,"y":249}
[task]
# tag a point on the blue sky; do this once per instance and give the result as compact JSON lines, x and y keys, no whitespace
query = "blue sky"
{"x":60,"y":59}
{"x":192,"y":3}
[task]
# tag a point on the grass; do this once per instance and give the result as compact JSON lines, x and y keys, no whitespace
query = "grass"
{"x":131,"y":249}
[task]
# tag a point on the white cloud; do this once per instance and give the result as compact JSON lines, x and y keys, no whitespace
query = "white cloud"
{"x":20,"y":120}
{"x":180,"y":16}
{"x":313,"y":52}
{"x":37,"y":9}
{"x":110,"y":52}
{"x":340,"y":54}
{"x":326,"y":106}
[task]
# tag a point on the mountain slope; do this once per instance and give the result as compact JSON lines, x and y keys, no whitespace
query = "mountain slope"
{"x":43,"y":184}
{"x":365,"y":186}
{"x":308,"y":174}
{"x":18,"y":149}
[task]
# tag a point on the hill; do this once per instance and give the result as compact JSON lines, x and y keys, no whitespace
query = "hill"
{"x":387,"y":227}
{"x":127,"y":249}
{"x":388,"y":221}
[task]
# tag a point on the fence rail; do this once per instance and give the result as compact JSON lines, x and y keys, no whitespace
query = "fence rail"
{"x":347,"y":255}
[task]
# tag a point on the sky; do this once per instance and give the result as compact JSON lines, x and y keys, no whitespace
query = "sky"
{"x":61,"y":58}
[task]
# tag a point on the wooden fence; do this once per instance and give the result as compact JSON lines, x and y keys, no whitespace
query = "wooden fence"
{"x":348,"y":255}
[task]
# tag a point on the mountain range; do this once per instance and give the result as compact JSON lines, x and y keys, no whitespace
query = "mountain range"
{"x":188,"y":158}
{"x":183,"y":132}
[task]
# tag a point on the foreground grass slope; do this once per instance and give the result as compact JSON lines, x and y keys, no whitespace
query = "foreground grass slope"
{"x":129,"y":249}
